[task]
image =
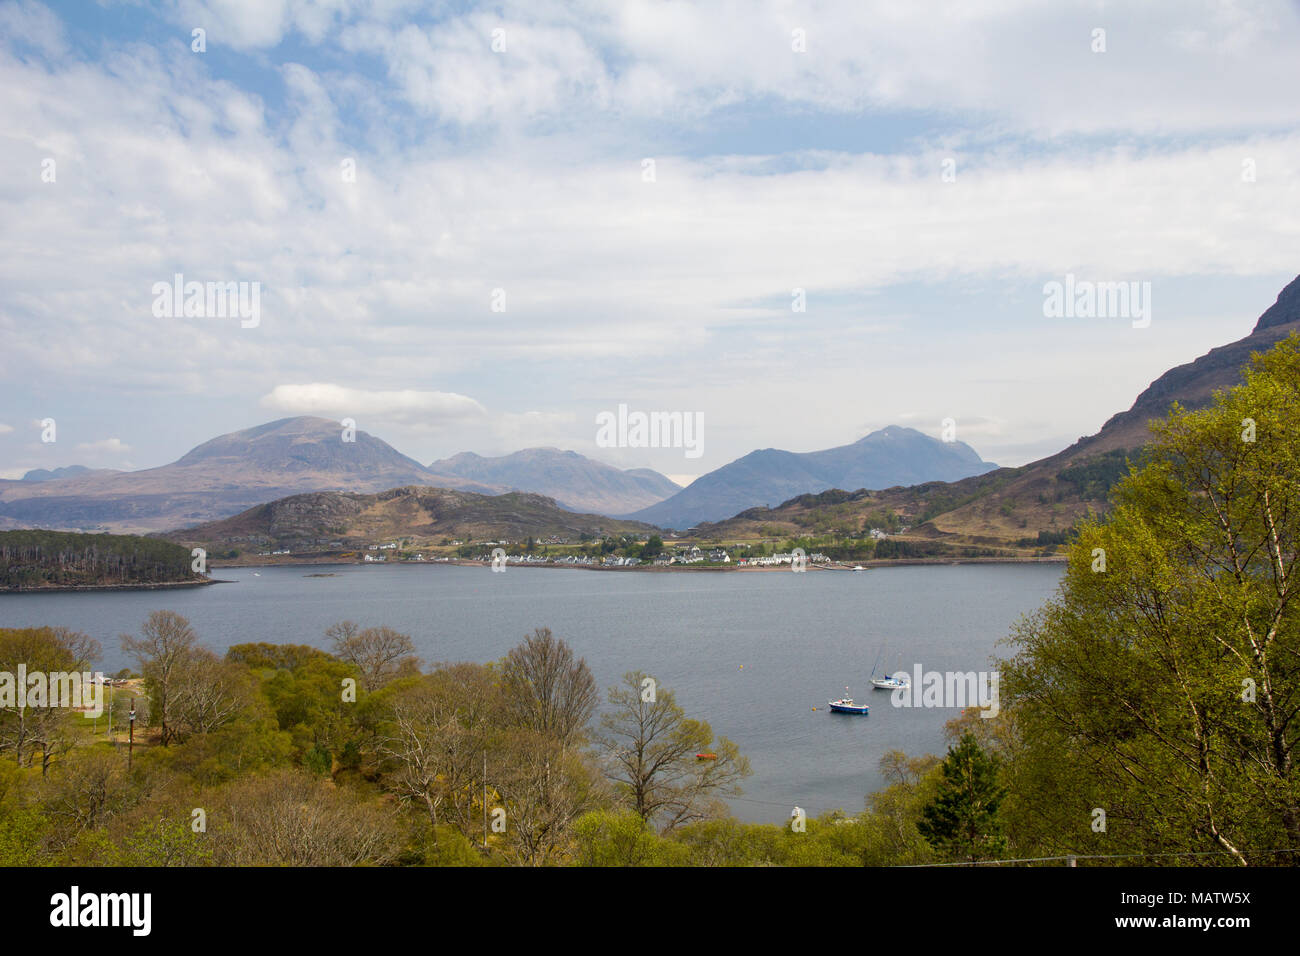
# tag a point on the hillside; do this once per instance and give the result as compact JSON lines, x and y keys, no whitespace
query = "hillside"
{"x":886,"y":458}
{"x":322,"y":521}
{"x":574,"y":481}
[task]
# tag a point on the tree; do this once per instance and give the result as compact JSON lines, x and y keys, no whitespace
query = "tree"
{"x":381,"y":654}
{"x":543,"y":789}
{"x":962,"y":819}
{"x":438,"y":729}
{"x":207,"y":693}
{"x":548,"y":690}
{"x":165,"y":644}
{"x":1162,"y":687}
{"x":288,"y":818}
{"x":650,"y":747}
{"x":41,"y":729}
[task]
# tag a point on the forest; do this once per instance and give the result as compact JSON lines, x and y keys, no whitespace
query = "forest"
{"x":47,"y":559}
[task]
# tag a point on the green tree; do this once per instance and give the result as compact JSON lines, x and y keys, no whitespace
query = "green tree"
{"x":962,"y":820}
{"x":1154,"y":702}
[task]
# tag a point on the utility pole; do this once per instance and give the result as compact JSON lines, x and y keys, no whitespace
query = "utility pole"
{"x":130,"y":740}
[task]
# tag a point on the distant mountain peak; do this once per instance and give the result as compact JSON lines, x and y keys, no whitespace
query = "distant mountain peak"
{"x":890,"y":456}
{"x":51,"y":474}
{"x":578,"y":483}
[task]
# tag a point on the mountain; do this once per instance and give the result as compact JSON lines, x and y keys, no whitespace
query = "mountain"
{"x":423,"y":515}
{"x":1043,"y":499}
{"x":221,"y":477}
{"x":70,"y":471}
{"x":574,"y":481}
{"x":883,"y":459}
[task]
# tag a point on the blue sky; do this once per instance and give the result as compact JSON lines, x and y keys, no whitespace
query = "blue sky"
{"x":521,"y":169}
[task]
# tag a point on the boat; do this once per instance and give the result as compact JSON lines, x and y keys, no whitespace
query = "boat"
{"x":899,"y":681}
{"x":845,"y":705}
{"x":858,"y":567}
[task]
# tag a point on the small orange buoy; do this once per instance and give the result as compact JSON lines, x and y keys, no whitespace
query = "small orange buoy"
{"x":706,"y":756}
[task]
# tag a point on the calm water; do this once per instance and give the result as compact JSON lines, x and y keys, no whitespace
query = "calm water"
{"x":750,"y":653}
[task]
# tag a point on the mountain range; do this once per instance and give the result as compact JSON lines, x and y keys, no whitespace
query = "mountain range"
{"x":230,"y":473}
{"x":942,"y":490}
{"x":883,"y":459}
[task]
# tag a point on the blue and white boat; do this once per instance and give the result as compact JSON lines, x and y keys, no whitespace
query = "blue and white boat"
{"x":845,"y":705}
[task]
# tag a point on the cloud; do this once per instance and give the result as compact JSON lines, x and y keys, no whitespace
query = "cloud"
{"x":528,"y":179}
{"x":31,"y":23}
{"x":401,"y":404}
{"x":106,"y":446}
{"x":5,"y":429}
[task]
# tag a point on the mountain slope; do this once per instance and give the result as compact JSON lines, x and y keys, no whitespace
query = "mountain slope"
{"x":220,"y":477}
{"x":885,"y":458}
{"x":574,"y":481}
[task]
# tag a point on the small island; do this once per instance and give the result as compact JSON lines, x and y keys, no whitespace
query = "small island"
{"x":37,"y":560}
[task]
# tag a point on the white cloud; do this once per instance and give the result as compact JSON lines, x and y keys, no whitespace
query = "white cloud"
{"x":5,"y":429}
{"x":105,"y":446}
{"x":30,"y":22}
{"x":400,"y":404}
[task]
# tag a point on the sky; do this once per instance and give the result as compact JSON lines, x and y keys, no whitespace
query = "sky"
{"x":477,"y":227}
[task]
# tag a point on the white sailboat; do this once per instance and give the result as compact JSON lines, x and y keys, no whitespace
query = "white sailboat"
{"x":899,"y":681}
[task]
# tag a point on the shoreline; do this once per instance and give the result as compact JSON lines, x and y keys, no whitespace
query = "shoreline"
{"x":675,"y":569}
{"x":144,"y":586}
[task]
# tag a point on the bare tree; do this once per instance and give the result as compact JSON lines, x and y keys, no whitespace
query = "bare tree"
{"x":207,"y":693}
{"x":547,"y":689}
{"x":289,"y":818}
{"x":379,"y":653}
{"x":165,"y":645}
{"x":651,"y":749}
{"x":543,"y":789}
{"x":435,"y":740}
{"x":91,"y":787}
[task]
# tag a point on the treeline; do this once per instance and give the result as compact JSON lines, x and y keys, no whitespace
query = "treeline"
{"x":38,"y":559}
